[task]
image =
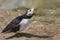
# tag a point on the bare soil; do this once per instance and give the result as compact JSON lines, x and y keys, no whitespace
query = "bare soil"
{"x":36,"y":30}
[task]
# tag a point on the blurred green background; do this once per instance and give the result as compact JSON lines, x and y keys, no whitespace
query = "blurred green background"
{"x":42,"y":4}
{"x":45,"y":4}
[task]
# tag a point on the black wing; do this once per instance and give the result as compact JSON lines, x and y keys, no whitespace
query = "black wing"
{"x":13,"y":25}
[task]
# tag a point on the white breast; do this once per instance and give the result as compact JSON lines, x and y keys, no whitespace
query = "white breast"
{"x":23,"y":23}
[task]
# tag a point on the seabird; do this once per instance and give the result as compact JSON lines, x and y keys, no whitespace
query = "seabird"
{"x":20,"y":22}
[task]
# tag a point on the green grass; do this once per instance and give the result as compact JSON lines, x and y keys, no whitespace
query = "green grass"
{"x":41,"y":14}
{"x":48,"y":21}
{"x":19,"y":8}
{"x":49,"y":4}
{"x":56,"y":15}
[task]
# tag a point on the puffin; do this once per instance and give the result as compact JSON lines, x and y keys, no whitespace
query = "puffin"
{"x":20,"y":23}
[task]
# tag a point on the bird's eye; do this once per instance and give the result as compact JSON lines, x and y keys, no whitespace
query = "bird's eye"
{"x":29,"y":10}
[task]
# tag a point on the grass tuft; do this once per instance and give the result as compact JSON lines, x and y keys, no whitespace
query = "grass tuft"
{"x":56,"y":15}
{"x":41,"y":14}
{"x":48,"y":21}
{"x":19,"y":8}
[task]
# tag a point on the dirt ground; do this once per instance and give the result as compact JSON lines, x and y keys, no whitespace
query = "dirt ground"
{"x":36,"y":30}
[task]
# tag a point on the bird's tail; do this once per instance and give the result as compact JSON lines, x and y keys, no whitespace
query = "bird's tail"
{"x":5,"y":30}
{"x":9,"y":29}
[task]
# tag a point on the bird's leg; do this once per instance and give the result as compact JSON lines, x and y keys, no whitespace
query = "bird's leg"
{"x":18,"y":34}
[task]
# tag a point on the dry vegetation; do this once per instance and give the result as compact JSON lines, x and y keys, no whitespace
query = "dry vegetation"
{"x":46,"y":26}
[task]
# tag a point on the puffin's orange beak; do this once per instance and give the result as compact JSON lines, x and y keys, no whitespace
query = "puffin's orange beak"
{"x":35,"y":9}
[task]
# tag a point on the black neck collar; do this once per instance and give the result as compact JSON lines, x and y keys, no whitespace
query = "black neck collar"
{"x":28,"y":17}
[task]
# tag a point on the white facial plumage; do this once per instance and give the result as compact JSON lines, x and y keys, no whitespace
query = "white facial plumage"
{"x":30,"y":11}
